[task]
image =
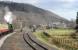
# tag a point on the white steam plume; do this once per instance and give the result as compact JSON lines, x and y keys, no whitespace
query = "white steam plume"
{"x":8,"y":17}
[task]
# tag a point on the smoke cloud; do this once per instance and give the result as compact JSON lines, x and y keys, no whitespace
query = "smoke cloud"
{"x":8,"y":17}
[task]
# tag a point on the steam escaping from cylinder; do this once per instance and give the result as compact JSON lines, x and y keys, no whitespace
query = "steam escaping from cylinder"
{"x":8,"y":17}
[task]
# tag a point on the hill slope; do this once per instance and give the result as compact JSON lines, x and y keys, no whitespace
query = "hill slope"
{"x":30,"y":14}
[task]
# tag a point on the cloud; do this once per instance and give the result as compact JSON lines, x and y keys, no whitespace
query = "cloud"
{"x":67,"y":1}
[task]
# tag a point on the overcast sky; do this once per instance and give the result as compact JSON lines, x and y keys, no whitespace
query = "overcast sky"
{"x":64,"y":8}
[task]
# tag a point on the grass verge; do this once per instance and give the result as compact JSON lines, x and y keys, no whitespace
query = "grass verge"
{"x":58,"y":37}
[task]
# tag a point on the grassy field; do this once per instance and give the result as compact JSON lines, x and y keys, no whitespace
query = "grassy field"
{"x":60,"y":38}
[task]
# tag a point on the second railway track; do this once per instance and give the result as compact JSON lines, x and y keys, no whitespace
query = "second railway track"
{"x":33,"y":44}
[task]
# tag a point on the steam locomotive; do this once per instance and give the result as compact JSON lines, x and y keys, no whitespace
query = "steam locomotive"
{"x":7,"y":30}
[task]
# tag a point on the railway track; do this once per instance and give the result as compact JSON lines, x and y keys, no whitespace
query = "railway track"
{"x":33,"y":44}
